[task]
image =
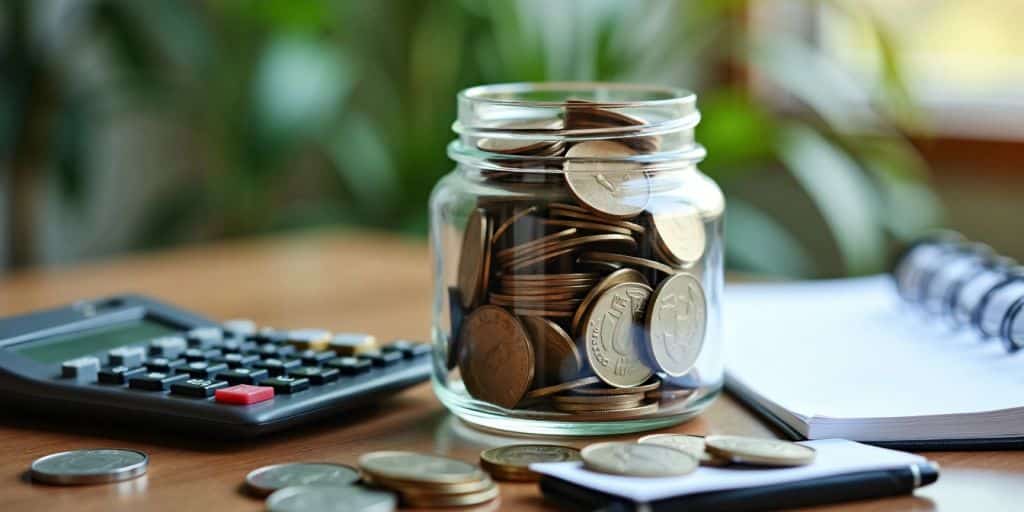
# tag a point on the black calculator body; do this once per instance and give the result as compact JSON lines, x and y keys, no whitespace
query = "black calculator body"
{"x":48,"y":358}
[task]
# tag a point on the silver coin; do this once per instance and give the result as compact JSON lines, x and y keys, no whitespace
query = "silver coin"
{"x":268,"y":479}
{"x":635,"y":459}
{"x":89,"y":466}
{"x":322,"y":498}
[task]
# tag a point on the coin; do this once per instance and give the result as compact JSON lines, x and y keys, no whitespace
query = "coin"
{"x":435,"y":488}
{"x":497,"y":357}
{"x":590,"y":217}
{"x":694,"y":445}
{"x":625,"y":275}
{"x":761,"y":452}
{"x":611,"y":333}
{"x":450,"y":500}
{"x":558,"y":388}
{"x":559,"y":246}
{"x":474,"y":258}
{"x":91,"y":466}
{"x":620,"y":406}
{"x":418,"y":468}
{"x":604,"y":390}
{"x":522,"y":143}
{"x":676,"y":322}
{"x":512,"y":462}
{"x":510,"y":221}
{"x":587,"y":226}
{"x":606,"y":400}
{"x":542,"y":312}
{"x":639,"y":411}
{"x":548,"y":277}
{"x":634,"y":459}
{"x":596,"y":176}
{"x":511,"y":252}
{"x":611,"y":257}
{"x":321,"y":498}
{"x":268,"y":479}
{"x":680,"y":230}
{"x":557,"y":358}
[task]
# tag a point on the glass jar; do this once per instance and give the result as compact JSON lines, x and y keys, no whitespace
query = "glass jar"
{"x":578,"y":261}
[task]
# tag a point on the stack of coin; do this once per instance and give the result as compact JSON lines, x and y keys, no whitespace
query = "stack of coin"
{"x":512,"y":463}
{"x":423,"y":480}
{"x":267,"y":479}
{"x":579,"y":301}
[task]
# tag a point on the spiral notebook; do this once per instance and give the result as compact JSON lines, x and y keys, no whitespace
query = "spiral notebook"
{"x":847,"y":359}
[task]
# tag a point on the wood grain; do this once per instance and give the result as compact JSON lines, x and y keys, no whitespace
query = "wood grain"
{"x":341,"y":281}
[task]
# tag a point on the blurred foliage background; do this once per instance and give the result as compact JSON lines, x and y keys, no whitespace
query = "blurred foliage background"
{"x":129,"y":125}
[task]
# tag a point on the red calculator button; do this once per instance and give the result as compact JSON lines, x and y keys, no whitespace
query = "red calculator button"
{"x":244,"y":394}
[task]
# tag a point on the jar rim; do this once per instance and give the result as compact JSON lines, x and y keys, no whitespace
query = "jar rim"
{"x":506,"y":94}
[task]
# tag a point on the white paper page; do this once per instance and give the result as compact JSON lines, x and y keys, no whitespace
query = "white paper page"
{"x":850,"y":349}
{"x":834,"y":457}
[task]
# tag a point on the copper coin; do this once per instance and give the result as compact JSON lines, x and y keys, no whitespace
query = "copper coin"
{"x":511,"y":252}
{"x":530,"y":262}
{"x":627,"y":260}
{"x":565,"y":306}
{"x":569,"y":407}
{"x":612,"y":333}
{"x":558,"y":388}
{"x":474,"y":258}
{"x":541,"y":312}
{"x":676,"y":324}
{"x":623,"y":414}
{"x":497,"y":356}
{"x":590,"y":217}
{"x":521,"y":144}
{"x":558,"y":359}
{"x":605,"y":400}
{"x":548,"y":277}
{"x":510,"y":221}
{"x":552,"y":297}
{"x":597,"y":176}
{"x":559,"y":245}
{"x":680,"y":231}
{"x":587,"y":226}
{"x":625,"y":275}
{"x":602,"y":390}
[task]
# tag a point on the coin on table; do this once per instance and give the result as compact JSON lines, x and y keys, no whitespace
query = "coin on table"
{"x":624,"y":275}
{"x":267,"y":479}
{"x":473,"y":259}
{"x":612,"y":335}
{"x":606,"y":186}
{"x":418,"y":468}
{"x":512,"y":462}
{"x":431,"y":500}
{"x":694,"y":445}
{"x":676,"y":322}
{"x":635,"y":459}
{"x":322,"y":498}
{"x":497,"y":356}
{"x":89,"y":466}
{"x":761,"y":452}
{"x":679,"y":231}
{"x":557,"y":358}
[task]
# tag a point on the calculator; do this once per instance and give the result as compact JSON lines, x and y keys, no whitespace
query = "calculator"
{"x":135,"y":358}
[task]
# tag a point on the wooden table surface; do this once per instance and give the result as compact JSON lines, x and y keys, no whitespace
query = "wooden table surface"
{"x":341,"y":281}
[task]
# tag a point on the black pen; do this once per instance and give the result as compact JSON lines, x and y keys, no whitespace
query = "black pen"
{"x":815,"y":491}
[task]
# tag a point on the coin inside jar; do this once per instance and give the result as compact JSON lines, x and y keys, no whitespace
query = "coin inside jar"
{"x":599,"y":178}
{"x":612,"y":334}
{"x":679,"y":233}
{"x":557,"y":358}
{"x":474,"y":259}
{"x":676,"y":321}
{"x":497,"y":359}
{"x":625,"y":275}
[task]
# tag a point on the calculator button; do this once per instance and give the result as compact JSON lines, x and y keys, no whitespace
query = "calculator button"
{"x":168,"y":346}
{"x":315,"y":375}
{"x":244,"y":394}
{"x":82,"y":369}
{"x":316,"y":358}
{"x":309,"y":339}
{"x":126,"y":356}
{"x":234,"y":346}
{"x":271,"y":351}
{"x":349,"y":365}
{"x":162,"y":364}
{"x":240,"y":327}
{"x":195,"y":354}
{"x":204,"y":337}
{"x":352,"y":343}
{"x":243,"y":375}
{"x":286,"y":385}
{"x":203,"y":369}
{"x":155,"y":381}
{"x":277,"y":366}
{"x":119,"y":374}
{"x":267,"y":335}
{"x":408,"y":349}
{"x":381,"y":358}
{"x":197,"y":387}
{"x":237,"y":360}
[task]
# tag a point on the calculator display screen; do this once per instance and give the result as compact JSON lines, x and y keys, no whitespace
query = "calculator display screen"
{"x":56,"y":349}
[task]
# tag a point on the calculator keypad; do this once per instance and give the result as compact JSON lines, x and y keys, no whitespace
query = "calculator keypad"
{"x":244,"y":394}
{"x":119,"y":374}
{"x":163,"y":364}
{"x":243,"y":375}
{"x":155,"y":381}
{"x":286,"y":385}
{"x":202,"y":388}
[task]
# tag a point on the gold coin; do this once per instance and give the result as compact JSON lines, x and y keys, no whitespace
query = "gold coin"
{"x":761,"y":452}
{"x":635,"y":459}
{"x":474,"y":258}
{"x":497,"y":357}
{"x":627,"y":260}
{"x":694,"y":445}
{"x":612,"y":335}
{"x":558,"y":388}
{"x":676,"y":322}
{"x":586,"y":226}
{"x":598,"y":399}
{"x":641,"y":411}
{"x":680,"y":231}
{"x":598,"y":178}
{"x":603,"y":390}
{"x":450,"y":500}
{"x":592,"y":408}
{"x":558,"y":359}
{"x":625,"y":275}
{"x":512,"y":462}
{"x":432,"y":487}
{"x":418,"y":468}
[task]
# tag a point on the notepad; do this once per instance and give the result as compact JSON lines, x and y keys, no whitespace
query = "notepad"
{"x":846,"y":358}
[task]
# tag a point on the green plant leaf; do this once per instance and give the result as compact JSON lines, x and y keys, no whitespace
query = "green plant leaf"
{"x":756,"y":242}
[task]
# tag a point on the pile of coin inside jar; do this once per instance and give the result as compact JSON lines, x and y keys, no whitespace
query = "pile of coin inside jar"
{"x":587,"y":303}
